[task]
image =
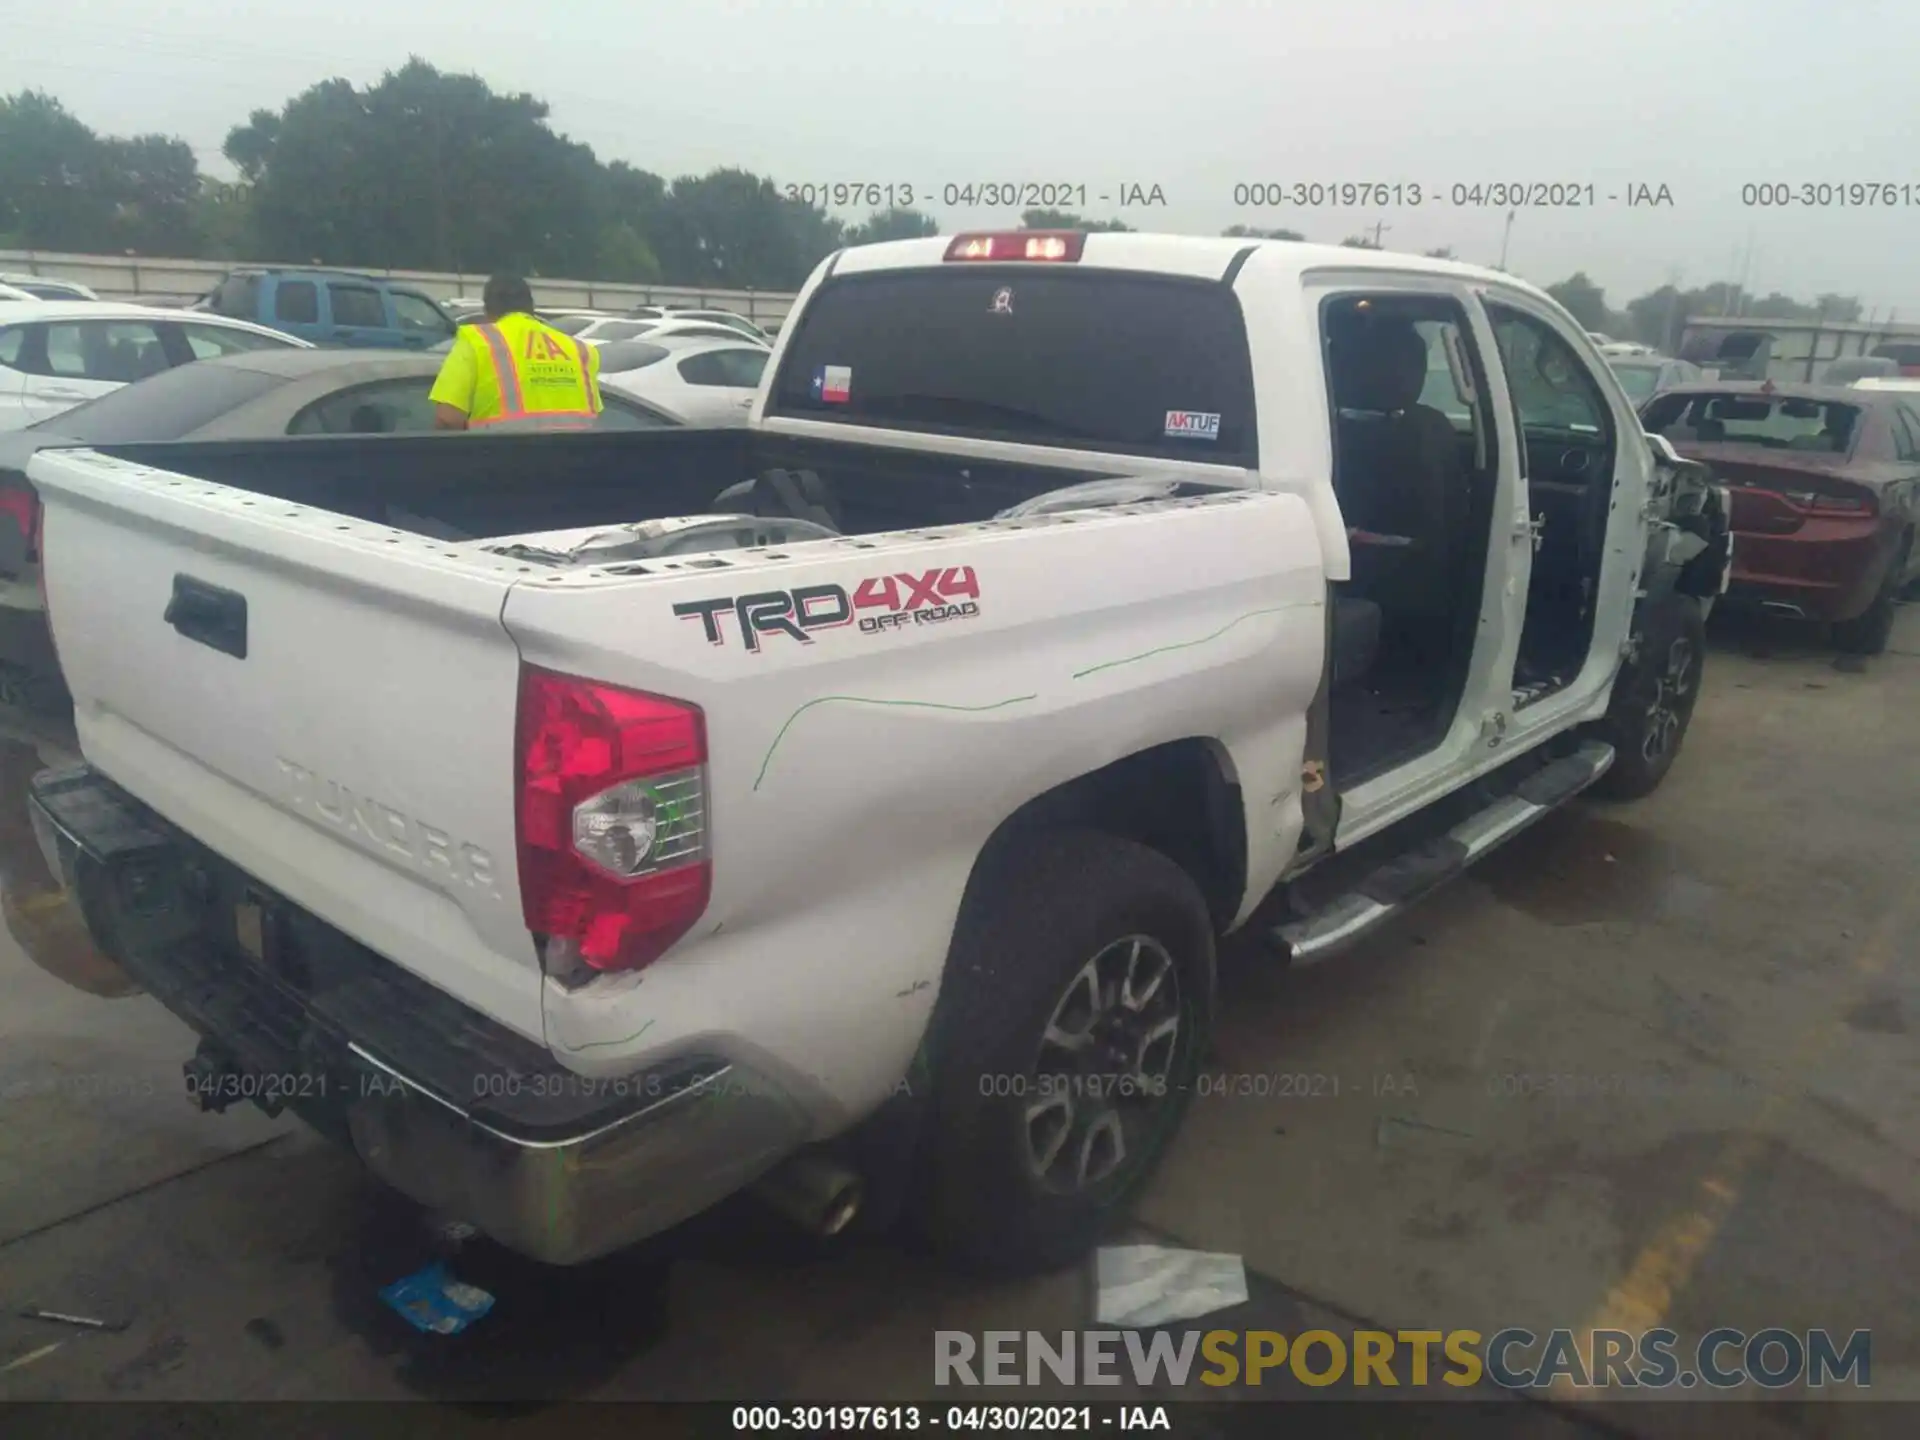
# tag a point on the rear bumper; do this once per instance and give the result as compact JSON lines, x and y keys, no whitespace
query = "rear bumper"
{"x":1826,"y":576}
{"x":442,"y":1103}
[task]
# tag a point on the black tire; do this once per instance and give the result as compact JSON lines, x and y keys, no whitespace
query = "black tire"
{"x":1653,"y":699}
{"x":1869,"y":631}
{"x":1038,"y":916}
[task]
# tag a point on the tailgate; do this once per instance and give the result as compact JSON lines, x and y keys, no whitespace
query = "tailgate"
{"x":327,"y":703}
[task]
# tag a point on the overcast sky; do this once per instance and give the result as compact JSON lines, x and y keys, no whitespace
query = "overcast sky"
{"x":1195,"y":96}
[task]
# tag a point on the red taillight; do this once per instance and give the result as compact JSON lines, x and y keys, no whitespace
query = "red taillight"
{"x":1018,"y":245}
{"x":612,"y":821}
{"x":20,"y":505}
{"x":37,"y":553}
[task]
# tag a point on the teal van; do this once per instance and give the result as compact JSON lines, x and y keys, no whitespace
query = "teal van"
{"x":333,"y":307}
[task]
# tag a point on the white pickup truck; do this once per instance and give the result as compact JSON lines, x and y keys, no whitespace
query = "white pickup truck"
{"x":587,"y":827}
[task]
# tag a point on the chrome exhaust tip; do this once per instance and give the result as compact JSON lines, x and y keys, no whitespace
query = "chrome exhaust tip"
{"x":818,"y":1194}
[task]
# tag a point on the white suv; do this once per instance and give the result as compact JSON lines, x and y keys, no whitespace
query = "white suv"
{"x":56,"y":355}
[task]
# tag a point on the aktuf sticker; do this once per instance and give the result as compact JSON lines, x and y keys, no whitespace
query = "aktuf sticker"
{"x":833,"y":384}
{"x":1193,"y":425}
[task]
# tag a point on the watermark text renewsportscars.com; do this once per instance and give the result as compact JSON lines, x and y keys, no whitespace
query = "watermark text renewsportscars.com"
{"x":1513,"y":1359}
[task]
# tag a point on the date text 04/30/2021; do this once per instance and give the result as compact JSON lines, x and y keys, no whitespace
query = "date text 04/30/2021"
{"x":1030,"y":1419}
{"x":994,"y":194}
{"x":1507,"y":194}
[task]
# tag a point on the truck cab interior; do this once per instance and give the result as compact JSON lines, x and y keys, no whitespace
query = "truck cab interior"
{"x":1415,"y":469}
{"x":1414,"y":473}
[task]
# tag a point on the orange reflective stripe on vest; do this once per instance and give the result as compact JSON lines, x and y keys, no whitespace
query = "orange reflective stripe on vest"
{"x":506,"y":377}
{"x":586,"y":376}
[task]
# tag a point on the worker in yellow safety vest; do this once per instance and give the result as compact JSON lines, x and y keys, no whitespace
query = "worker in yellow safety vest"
{"x":510,"y":366}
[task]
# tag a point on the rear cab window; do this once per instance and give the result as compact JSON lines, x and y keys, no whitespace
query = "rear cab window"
{"x":1093,"y":359}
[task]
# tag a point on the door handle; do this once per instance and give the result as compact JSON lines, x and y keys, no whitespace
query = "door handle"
{"x":210,"y":615}
{"x":54,"y":392}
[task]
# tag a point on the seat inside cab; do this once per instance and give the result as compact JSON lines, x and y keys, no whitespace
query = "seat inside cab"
{"x":1413,"y":470}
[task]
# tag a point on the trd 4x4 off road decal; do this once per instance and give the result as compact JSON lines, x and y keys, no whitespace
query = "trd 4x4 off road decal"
{"x":880,"y":602}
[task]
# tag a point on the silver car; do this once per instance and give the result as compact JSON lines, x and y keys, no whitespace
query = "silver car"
{"x":1644,"y":376}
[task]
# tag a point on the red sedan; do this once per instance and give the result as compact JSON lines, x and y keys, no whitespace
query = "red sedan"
{"x":1826,"y":492}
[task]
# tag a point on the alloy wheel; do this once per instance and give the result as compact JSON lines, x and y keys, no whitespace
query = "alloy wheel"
{"x":1102,"y":1072}
{"x":1673,"y":691}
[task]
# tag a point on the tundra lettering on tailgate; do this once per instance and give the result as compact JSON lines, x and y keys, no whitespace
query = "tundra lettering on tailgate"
{"x":429,"y":848}
{"x":880,"y":602}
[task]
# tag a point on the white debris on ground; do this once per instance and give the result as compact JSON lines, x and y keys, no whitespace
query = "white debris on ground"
{"x":1145,"y":1285}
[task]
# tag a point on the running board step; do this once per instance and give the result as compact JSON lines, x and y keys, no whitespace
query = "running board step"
{"x":1390,"y":888}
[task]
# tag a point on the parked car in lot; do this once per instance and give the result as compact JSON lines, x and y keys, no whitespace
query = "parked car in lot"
{"x":728,"y":318}
{"x":42,"y":287}
{"x":868,"y":786}
{"x":1852,"y":369}
{"x":1825,"y":481}
{"x":331,"y":307}
{"x":567,"y":322}
{"x":700,"y":315}
{"x":613,"y":327}
{"x":9,"y":294}
{"x":55,"y":355}
{"x":677,"y":327}
{"x":710,"y":382}
{"x":1642,"y":376}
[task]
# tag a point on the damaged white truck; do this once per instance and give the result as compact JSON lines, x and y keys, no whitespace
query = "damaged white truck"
{"x":588,"y":827}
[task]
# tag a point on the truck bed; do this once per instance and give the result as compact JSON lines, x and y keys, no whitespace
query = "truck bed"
{"x":492,"y":486}
{"x":332,"y":705}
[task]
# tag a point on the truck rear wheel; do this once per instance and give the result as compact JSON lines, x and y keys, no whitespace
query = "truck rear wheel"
{"x":1077,"y":1003}
{"x":1653,"y":699}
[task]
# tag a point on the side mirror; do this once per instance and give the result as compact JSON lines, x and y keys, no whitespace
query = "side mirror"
{"x":1663,"y":451}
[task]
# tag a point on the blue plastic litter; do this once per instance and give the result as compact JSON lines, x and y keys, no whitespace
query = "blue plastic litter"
{"x":433,"y":1301}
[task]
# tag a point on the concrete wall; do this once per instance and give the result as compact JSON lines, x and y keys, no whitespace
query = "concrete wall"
{"x":178,"y":282}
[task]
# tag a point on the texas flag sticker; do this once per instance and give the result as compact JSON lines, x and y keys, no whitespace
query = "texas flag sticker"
{"x":833,"y":383}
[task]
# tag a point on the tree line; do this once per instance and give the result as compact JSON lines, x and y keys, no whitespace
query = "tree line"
{"x":427,"y":170}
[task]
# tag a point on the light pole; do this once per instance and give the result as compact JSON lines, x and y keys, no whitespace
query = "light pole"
{"x":1505,"y":236}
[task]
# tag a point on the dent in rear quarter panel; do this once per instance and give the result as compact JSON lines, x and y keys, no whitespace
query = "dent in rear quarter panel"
{"x":854,"y":777}
{"x":358,"y":760}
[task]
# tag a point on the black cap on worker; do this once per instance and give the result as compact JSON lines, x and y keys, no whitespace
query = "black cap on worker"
{"x":506,"y":295}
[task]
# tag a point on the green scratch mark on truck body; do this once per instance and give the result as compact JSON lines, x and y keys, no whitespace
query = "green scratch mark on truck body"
{"x":864,"y":700}
{"x":601,"y":1044}
{"x":1189,"y":644}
